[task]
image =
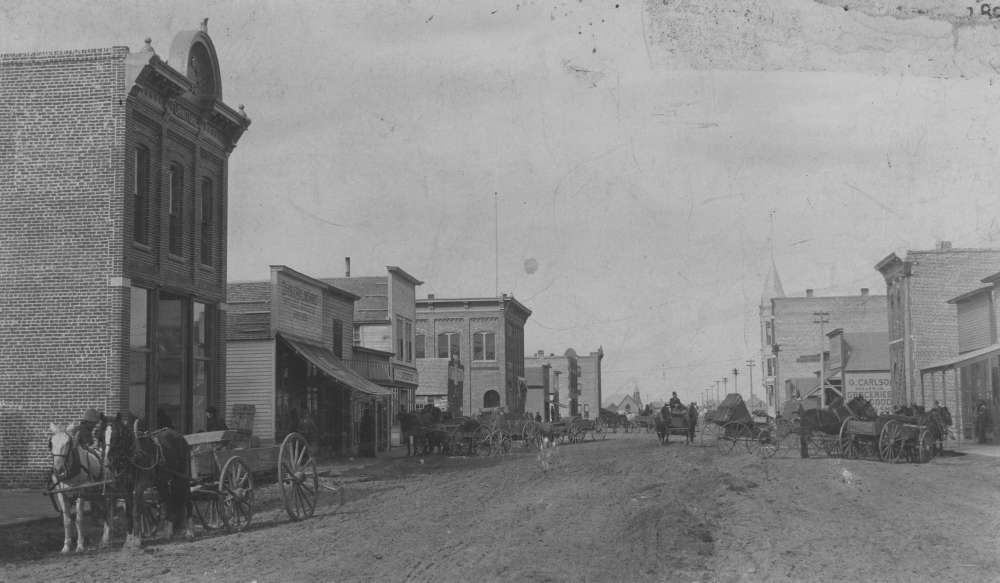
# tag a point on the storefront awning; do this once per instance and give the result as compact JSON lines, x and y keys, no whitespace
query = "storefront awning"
{"x":962,"y":358}
{"x":328,"y":363}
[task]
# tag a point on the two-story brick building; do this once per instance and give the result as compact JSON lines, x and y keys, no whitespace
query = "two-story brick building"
{"x":921,"y":322}
{"x":113,"y":244}
{"x":290,"y":357}
{"x":485,"y":335}
{"x":796,"y":336}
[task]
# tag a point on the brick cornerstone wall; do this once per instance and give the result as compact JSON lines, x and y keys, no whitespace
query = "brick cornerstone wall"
{"x":61,"y":158}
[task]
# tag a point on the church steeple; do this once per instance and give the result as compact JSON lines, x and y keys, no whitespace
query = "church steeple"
{"x":772,"y":286}
{"x":772,"y":283}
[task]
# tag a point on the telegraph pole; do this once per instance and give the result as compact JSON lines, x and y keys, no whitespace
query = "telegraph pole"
{"x":822,"y":318}
{"x":750,"y":365}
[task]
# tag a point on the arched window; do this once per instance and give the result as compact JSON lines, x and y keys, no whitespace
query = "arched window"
{"x":491,"y":399}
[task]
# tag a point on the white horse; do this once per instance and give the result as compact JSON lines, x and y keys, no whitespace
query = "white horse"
{"x":75,"y":465}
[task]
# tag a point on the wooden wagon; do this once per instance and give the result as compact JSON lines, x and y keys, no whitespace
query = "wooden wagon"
{"x":225,"y":468}
{"x":890,"y":438}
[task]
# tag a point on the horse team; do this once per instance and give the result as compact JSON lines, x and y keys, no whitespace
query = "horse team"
{"x":113,"y":460}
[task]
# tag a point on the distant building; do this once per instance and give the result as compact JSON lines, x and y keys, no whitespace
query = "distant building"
{"x":115,"y":187}
{"x":973,"y":376}
{"x":580,"y":377}
{"x":631,"y":405}
{"x":794,"y":337}
{"x":539,"y":399}
{"x":485,"y":335}
{"x":921,"y":322}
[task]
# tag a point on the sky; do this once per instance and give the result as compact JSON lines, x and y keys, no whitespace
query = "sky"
{"x":619,"y":167}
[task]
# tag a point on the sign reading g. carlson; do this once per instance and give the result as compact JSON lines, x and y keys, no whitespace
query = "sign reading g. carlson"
{"x":874,"y":386}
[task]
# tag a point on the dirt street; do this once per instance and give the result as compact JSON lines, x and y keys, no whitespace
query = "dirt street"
{"x":623,"y":509}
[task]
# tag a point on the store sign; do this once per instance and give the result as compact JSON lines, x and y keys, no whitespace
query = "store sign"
{"x":405,"y":375}
{"x":874,"y":386}
{"x":300,"y":308}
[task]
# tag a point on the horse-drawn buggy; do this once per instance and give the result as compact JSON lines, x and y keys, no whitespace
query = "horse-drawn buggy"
{"x":161,"y":475}
{"x":735,"y":424}
{"x":677,"y":420}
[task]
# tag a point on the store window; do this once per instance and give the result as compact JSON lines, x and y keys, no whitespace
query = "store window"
{"x":202,"y":317}
{"x":138,"y":351}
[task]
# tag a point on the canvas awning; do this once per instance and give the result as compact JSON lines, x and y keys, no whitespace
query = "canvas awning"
{"x":329,"y":364}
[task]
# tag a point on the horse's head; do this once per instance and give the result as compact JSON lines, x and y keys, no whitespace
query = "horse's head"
{"x":65,"y":459}
{"x":118,"y":438}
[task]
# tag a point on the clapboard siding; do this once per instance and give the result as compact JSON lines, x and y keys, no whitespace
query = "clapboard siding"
{"x":974,"y":323}
{"x":250,"y":381}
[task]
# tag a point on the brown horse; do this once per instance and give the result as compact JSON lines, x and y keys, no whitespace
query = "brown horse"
{"x":160,"y":459}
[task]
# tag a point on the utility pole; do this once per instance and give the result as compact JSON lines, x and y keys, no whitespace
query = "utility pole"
{"x":750,"y":365}
{"x":725,"y":391}
{"x":822,"y":318}
{"x":736,"y":387}
{"x":717,"y":391}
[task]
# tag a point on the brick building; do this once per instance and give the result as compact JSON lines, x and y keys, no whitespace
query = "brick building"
{"x":580,"y":377}
{"x":485,"y":335}
{"x":113,"y":245}
{"x":859,"y":366}
{"x":289,"y":356}
{"x":973,"y":376}
{"x":794,"y":337}
{"x":921,"y":323}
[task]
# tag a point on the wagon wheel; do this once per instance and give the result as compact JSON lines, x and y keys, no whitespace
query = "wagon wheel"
{"x":890,"y":442}
{"x":847,"y":440}
{"x":236,"y":494}
{"x":766,"y":444}
{"x":297,"y":476}
{"x":207,"y":510}
{"x":483,"y":441}
{"x":503,"y":442}
{"x":925,"y":447}
{"x":600,"y":430}
{"x":725,"y":439}
{"x":150,"y":513}
{"x":531,"y":434}
{"x":708,"y":430}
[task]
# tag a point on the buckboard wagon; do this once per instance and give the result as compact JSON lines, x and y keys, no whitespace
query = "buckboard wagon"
{"x":890,"y":438}
{"x":225,"y":469}
{"x":735,"y":425}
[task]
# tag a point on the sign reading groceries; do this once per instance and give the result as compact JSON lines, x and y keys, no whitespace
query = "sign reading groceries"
{"x":874,"y":386}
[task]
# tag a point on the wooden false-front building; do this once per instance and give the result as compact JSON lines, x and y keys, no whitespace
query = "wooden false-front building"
{"x":290,"y":360}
